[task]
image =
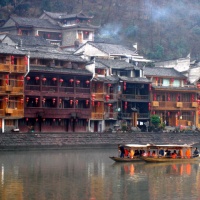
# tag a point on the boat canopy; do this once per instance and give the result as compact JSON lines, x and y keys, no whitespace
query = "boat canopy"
{"x":136,"y":145}
{"x":170,"y":146}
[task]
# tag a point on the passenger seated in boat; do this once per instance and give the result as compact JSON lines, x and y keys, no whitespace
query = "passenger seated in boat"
{"x":161,"y":152}
{"x":188,"y":153}
{"x":180,"y":153}
{"x":174,"y":154}
{"x":168,"y":154}
{"x":126,"y":152}
{"x":153,"y":154}
{"x":149,"y":153}
{"x":131,"y":154}
{"x":137,"y":153}
{"x":196,"y":152}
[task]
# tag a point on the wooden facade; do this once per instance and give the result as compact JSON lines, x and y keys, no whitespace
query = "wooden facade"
{"x":56,"y":99}
{"x":175,"y":102}
{"x":12,"y":70}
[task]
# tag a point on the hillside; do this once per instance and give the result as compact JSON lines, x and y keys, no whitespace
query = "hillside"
{"x":163,"y":29}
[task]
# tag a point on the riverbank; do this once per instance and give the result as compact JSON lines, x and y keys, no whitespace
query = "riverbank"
{"x":31,"y":141}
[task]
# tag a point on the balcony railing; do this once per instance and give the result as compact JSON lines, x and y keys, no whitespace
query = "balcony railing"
{"x":4,"y":67}
{"x":170,"y":105}
{"x":111,"y":115}
{"x":97,"y":116}
{"x":135,"y":97}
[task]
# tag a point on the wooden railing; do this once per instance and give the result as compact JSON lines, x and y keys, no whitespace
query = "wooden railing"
{"x":12,"y":68}
{"x":110,"y":115}
{"x":97,"y":116}
{"x":4,"y":67}
{"x":170,"y":105}
{"x":135,"y":97}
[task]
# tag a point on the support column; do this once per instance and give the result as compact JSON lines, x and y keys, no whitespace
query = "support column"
{"x":3,"y":125}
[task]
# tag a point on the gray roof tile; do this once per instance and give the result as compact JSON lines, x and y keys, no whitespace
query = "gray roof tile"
{"x":6,"y":49}
{"x":162,"y":72}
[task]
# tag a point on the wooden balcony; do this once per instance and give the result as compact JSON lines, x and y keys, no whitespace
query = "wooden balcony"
{"x":170,"y":105}
{"x":58,"y":112}
{"x":133,"y":97}
{"x":155,"y":103}
{"x":194,"y":104}
{"x":97,"y":116}
{"x":179,"y":104}
{"x":4,"y":67}
{"x":18,"y":68}
{"x":17,"y":90}
{"x":110,"y":115}
{"x":99,"y":96}
{"x":9,"y":111}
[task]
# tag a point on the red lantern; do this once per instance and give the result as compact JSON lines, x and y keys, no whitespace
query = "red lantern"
{"x":61,"y":80}
{"x":54,"y":79}
{"x":54,"y":120}
{"x":6,"y":99}
{"x":43,"y":100}
{"x":124,"y":85}
{"x":37,"y":78}
{"x":87,"y":82}
{"x":109,"y":104}
{"x":198,"y":85}
{"x":36,"y":100}
{"x":154,"y":97}
{"x":71,"y":80}
{"x":27,"y":99}
{"x":156,"y":79}
{"x":168,"y":113}
{"x":87,"y":102}
{"x":12,"y":60}
{"x":109,"y":84}
{"x":44,"y":79}
{"x":98,"y":104}
{"x":7,"y":79}
{"x":125,"y":105}
{"x":36,"y":119}
{"x":22,"y":101}
{"x":25,"y":60}
{"x":60,"y":101}
{"x":149,"y":87}
{"x":43,"y":119}
{"x":77,"y":82}
{"x":27,"y":119}
{"x":54,"y":100}
{"x":149,"y":106}
{"x":192,"y":98}
{"x":71,"y":102}
{"x":28,"y":78}
{"x":107,"y":97}
{"x":93,"y":97}
{"x":171,"y":80}
{"x":168,"y":97}
{"x":76,"y":102}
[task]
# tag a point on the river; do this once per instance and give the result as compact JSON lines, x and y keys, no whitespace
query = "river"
{"x":89,"y":174}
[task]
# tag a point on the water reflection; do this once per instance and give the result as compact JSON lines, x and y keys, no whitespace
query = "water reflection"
{"x":90,"y":175}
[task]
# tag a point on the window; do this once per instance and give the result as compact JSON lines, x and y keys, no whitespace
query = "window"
{"x":165,"y":82}
{"x":176,"y":83}
{"x":85,"y":35}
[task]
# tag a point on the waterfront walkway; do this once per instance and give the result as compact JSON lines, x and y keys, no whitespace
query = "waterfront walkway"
{"x":26,"y":141}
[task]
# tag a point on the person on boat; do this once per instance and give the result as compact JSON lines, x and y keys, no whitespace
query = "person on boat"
{"x":149,"y":153}
{"x":122,"y":151}
{"x":131,"y":153}
{"x":168,"y":154}
{"x":153,"y":154}
{"x":137,"y":153}
{"x":196,"y":152}
{"x":180,"y":153}
{"x":174,"y":154}
{"x":126,"y":152}
{"x":188,"y":153}
{"x":161,"y":152}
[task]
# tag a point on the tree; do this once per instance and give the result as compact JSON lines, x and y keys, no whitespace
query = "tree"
{"x":155,"y":120}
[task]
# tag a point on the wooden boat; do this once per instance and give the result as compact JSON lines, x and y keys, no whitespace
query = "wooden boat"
{"x":170,"y":158}
{"x":118,"y":159}
{"x":130,"y":147}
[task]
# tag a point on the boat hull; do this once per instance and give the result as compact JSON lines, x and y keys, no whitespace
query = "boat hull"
{"x":170,"y":160}
{"x":118,"y":159}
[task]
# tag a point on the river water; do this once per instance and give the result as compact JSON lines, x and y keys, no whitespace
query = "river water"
{"x":89,"y":174}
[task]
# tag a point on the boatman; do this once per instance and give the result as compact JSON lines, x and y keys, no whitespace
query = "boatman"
{"x":196,"y":152}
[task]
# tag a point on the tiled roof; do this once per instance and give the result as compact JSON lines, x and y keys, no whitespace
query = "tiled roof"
{"x":106,"y":79}
{"x":57,"y":56}
{"x":29,"y":40}
{"x":113,"y":49}
{"x":162,"y":72}
{"x":60,"y":70}
{"x":135,"y":79}
{"x":34,"y":22}
{"x":6,"y":49}
{"x":64,"y":15}
{"x":117,"y":64}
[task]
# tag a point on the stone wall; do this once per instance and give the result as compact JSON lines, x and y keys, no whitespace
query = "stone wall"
{"x":19,"y":141}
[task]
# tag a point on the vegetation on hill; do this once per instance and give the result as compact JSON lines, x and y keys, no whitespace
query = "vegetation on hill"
{"x":162,"y":29}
